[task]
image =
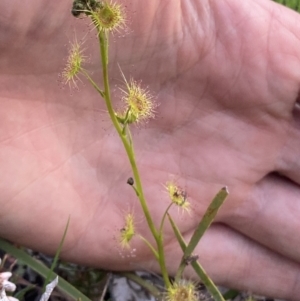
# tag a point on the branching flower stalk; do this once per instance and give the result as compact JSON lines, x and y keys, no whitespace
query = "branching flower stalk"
{"x":128,"y":145}
{"x":107,"y":17}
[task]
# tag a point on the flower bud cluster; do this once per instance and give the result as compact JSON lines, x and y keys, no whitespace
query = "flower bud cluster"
{"x":139,"y":104}
{"x":182,"y":290}
{"x":128,"y":231}
{"x":178,"y":196}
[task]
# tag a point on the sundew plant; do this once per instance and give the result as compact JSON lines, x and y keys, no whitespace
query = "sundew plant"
{"x":139,"y":106}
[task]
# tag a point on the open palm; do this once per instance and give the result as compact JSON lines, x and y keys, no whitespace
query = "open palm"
{"x":226,"y":75}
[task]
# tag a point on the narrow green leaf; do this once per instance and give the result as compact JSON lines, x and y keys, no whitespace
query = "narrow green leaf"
{"x":55,"y":260}
{"x":177,"y":233}
{"x":41,"y":269}
{"x":20,"y":294}
{"x":210,"y":286}
{"x":149,"y":245}
{"x":206,"y":220}
{"x":216,"y":294}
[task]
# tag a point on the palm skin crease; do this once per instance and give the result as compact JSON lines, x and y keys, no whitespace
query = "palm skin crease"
{"x":226,"y":75}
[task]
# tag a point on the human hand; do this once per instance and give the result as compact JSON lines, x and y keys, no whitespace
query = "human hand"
{"x":226,"y":75}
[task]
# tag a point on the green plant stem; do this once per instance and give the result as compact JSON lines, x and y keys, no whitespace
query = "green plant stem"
{"x":164,"y":218}
{"x":161,"y":259}
{"x":55,"y":260}
{"x":128,"y":145}
{"x":206,"y":220}
{"x":149,"y":245}
{"x":160,"y":245}
{"x":93,"y":83}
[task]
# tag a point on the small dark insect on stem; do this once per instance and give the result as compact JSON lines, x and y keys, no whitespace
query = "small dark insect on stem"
{"x":180,"y":194}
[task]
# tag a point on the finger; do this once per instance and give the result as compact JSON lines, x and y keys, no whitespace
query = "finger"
{"x":271,"y":216}
{"x":234,"y":261}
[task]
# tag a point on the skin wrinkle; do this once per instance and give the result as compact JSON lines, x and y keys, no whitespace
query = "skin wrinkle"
{"x":234,"y":266}
{"x":262,"y":206}
{"x":54,"y":168}
{"x":247,"y":267}
{"x":241,"y":178}
{"x":265,"y":198}
{"x":295,"y":285}
{"x":281,"y":27}
{"x":276,"y":14}
{"x":41,"y":176}
{"x":94,"y":215}
{"x":171,"y":62}
{"x":268,"y":48}
{"x":280,"y":158}
{"x":185,"y":54}
{"x":270,"y":67}
{"x":31,"y":131}
{"x":234,"y":83}
{"x":289,"y":154}
{"x":185,"y":35}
